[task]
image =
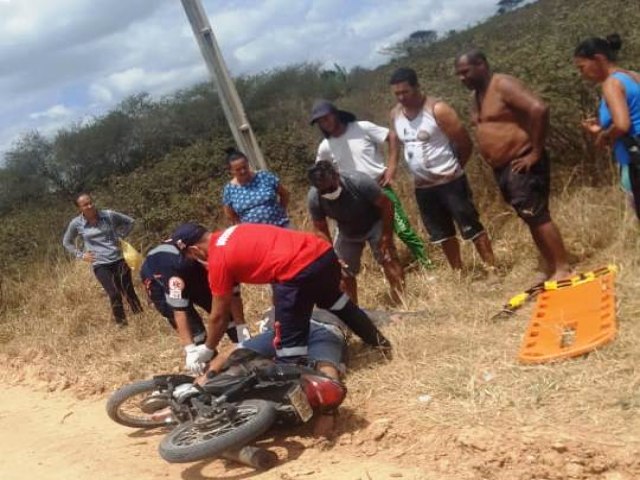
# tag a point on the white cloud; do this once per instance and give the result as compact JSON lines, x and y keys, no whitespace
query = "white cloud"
{"x":55,"y":112}
{"x":66,"y":59}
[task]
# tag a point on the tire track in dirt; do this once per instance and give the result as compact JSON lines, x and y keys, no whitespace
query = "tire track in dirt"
{"x":53,"y":436}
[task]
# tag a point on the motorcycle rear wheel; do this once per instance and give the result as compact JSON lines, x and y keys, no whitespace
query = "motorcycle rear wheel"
{"x":125,"y":406}
{"x":197,"y":440}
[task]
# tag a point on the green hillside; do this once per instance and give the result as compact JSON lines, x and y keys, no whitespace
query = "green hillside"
{"x":161,"y":160}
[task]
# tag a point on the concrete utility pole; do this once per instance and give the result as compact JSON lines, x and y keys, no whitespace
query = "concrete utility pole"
{"x":231,"y":104}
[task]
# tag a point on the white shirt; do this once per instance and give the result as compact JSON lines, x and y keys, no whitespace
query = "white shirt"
{"x":359,"y":148}
{"x":427,"y":150}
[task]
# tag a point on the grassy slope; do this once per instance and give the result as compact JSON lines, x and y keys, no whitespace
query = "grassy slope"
{"x":489,"y":416}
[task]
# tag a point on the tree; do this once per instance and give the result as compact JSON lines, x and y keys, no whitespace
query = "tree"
{"x":25,"y":176}
{"x":508,"y":5}
{"x":417,"y":40}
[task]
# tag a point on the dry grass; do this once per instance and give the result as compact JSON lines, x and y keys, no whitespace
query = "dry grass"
{"x":57,"y":329}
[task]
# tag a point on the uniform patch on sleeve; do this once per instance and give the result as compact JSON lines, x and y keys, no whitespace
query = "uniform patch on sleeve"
{"x":176,"y":286}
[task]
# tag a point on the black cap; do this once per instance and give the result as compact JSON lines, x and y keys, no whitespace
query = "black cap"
{"x":186,"y":235}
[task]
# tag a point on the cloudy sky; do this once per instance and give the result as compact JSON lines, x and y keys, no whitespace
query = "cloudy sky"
{"x":62,"y":61}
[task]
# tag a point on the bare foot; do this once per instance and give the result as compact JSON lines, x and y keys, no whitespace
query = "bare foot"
{"x":562,"y":274}
{"x":540,"y":277}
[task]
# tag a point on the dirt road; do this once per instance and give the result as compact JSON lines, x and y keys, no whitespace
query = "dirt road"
{"x":53,"y":436}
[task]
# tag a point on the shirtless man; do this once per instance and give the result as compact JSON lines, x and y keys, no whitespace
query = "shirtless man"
{"x":511,"y":124}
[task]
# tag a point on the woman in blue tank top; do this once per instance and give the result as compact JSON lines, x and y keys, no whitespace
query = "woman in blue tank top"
{"x":619,"y":109}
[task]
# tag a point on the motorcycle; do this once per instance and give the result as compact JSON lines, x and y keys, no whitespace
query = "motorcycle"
{"x":229,"y":409}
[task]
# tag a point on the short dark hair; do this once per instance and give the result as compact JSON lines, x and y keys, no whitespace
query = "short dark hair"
{"x":233,"y":154}
{"x":321,"y":171}
{"x":592,"y":46}
{"x":474,"y":56}
{"x":81,"y":194}
{"x":404,"y":74}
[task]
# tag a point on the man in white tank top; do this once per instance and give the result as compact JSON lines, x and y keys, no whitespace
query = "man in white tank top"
{"x":436,"y":148}
{"x":357,"y":146}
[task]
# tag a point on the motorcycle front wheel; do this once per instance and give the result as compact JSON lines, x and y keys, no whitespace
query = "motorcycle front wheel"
{"x":205,"y":438}
{"x":134,"y":405}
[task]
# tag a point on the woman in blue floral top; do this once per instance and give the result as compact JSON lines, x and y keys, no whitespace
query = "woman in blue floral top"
{"x":254,"y":197}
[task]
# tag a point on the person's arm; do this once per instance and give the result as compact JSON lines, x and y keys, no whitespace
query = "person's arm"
{"x":385,"y":206}
{"x":69,"y":239}
{"x":183,"y":328}
{"x":393,"y":143}
{"x":322,"y":229}
{"x":218,"y":319}
{"x":69,"y":243}
{"x":454,"y":129}
{"x":231,"y":214}
{"x":614,"y":94}
{"x":122,"y":224}
{"x":521,"y":99}
{"x":318,"y":216}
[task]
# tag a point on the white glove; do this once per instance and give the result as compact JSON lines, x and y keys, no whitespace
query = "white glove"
{"x":196,"y":357}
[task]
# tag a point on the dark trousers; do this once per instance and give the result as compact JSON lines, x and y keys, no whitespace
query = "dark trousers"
{"x":318,"y":284}
{"x":116,"y":280}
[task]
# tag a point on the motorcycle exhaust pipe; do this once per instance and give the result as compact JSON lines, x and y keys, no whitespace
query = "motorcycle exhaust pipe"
{"x":258,"y":458}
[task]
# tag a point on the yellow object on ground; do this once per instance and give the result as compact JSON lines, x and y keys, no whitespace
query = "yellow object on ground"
{"x":571,"y":318}
{"x":132,"y":257}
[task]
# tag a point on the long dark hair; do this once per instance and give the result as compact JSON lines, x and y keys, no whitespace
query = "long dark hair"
{"x":233,"y":154}
{"x":592,"y":46}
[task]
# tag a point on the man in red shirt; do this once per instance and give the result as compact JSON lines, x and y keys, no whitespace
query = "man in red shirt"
{"x":303,"y":269}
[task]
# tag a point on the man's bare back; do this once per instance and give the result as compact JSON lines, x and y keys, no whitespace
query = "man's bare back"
{"x":500,"y":130}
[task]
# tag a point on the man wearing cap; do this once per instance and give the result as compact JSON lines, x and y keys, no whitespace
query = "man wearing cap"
{"x":358,"y":146}
{"x":302,"y":268}
{"x":175,"y":285}
{"x":364,"y":214}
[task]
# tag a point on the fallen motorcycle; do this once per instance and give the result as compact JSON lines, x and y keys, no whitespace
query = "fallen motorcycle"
{"x":229,"y":409}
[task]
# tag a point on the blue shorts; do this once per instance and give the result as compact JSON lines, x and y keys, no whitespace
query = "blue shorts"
{"x":326,"y":344}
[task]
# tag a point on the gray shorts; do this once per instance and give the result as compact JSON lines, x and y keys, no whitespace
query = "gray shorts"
{"x":349,"y":250}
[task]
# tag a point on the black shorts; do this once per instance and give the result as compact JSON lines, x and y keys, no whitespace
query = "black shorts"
{"x":527,"y":192}
{"x":442,"y":205}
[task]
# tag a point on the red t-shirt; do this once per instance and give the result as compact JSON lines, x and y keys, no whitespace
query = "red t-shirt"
{"x":254,"y":253}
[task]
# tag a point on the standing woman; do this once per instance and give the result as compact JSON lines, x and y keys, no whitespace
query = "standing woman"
{"x":100,"y":231}
{"x":618,"y":122}
{"x":253,"y":197}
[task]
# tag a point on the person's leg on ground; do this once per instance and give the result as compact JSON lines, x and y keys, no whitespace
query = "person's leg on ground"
{"x":528,"y":193}
{"x":124,"y":283}
{"x":293,"y":304}
{"x":405,"y":232}
{"x":106,"y":276}
{"x":451,"y":249}
{"x":549,"y":241}
{"x":324,"y":285}
{"x":458,"y":197}
{"x":393,"y":271}
{"x":484,"y":249}
{"x":438,"y":221}
{"x":327,"y":346}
